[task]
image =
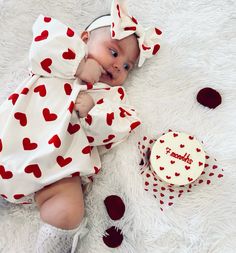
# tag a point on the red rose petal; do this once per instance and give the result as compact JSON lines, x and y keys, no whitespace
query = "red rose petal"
{"x":115,"y":207}
{"x":114,"y":237}
{"x":209,"y":97}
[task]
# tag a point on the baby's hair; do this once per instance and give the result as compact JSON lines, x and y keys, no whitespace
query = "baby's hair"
{"x":96,"y":19}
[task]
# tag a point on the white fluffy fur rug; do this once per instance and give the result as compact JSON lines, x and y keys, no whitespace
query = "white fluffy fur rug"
{"x":198,"y":50}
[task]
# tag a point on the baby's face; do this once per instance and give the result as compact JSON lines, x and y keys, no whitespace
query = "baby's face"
{"x":117,"y":57}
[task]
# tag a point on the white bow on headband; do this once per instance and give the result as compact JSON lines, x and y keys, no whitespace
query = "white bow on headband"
{"x":124,"y":25}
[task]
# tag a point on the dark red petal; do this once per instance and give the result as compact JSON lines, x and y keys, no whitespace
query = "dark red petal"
{"x":115,"y":207}
{"x":114,"y":237}
{"x":209,"y":97}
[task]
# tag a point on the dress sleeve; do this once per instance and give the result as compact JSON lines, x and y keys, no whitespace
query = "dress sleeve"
{"x":56,"y":50}
{"x":109,"y":123}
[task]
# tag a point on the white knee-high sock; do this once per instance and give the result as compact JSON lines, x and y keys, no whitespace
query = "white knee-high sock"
{"x":55,"y":240}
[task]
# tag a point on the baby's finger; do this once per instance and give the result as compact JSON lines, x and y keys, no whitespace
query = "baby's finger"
{"x":103,"y":71}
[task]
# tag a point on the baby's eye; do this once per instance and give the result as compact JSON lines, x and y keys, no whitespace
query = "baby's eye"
{"x":126,"y":66}
{"x":113,"y":52}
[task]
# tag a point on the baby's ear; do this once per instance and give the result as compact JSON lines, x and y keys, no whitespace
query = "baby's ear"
{"x":85,"y":35}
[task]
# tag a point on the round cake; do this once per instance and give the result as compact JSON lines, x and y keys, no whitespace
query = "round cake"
{"x":177,"y":158}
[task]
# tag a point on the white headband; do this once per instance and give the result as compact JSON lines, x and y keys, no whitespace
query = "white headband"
{"x":100,"y":22}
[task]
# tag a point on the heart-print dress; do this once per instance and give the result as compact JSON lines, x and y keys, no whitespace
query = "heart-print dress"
{"x":42,"y":140}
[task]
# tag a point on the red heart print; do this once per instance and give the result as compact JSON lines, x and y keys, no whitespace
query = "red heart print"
{"x":134,"y":20}
{"x":62,"y":162}
{"x":110,"y":118}
{"x":190,"y":137}
{"x":13,"y":98}
{"x":161,"y":202}
{"x":206,"y":165}
{"x":177,"y":174}
{"x":214,"y":167}
{"x":70,"y":32}
{"x":208,"y":181}
{"x":73,"y":128}
{"x":4,"y":173}
{"x":162,"y":195}
{"x":33,"y":168}
{"x":55,"y":140}
{"x":157,"y":156}
{"x":158,"y":32}
{"x":21,"y":117}
{"x":118,"y":10}
{"x":18,"y":196}
{"x":113,"y":33}
{"x":47,"y":19}
{"x":86,"y":150}
{"x":25,"y":91}
{"x":0,"y":145}
{"x":28,"y":145}
{"x":175,"y":135}
{"x":89,"y":86}
{"x":48,"y":116}
{"x":88,"y":119}
{"x":145,"y":47}
{"x":220,"y":175}
{"x":198,"y":149}
{"x":90,"y":139}
{"x":162,"y":141}
{"x":123,"y":112}
{"x":109,"y":145}
{"x":100,"y":101}
{"x":41,"y":89}
{"x":121,"y":92}
{"x":96,"y":170}
{"x":200,"y":163}
{"x":109,"y":138}
{"x":187,"y":167}
{"x":67,"y":88}
{"x":170,"y":204}
{"x":168,"y":177}
{"x":45,"y":64}
{"x":69,"y":55}
{"x":155,"y":49}
{"x":134,"y":125}
{"x":161,"y":168}
{"x":42,"y":36}
{"x":172,"y":162}
{"x":190,"y":179}
{"x":171,"y":197}
{"x":182,"y":146}
{"x":211,"y":174}
{"x":71,"y":106}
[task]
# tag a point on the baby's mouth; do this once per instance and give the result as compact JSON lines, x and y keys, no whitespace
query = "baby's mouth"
{"x":109,"y":74}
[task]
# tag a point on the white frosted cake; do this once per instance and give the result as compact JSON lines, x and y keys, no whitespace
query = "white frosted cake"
{"x":177,"y":158}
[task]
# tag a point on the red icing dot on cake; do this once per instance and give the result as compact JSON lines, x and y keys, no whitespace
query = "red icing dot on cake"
{"x":115,"y":207}
{"x":209,"y":97}
{"x":114,"y":237}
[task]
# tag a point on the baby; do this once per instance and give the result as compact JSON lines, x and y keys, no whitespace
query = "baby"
{"x":68,"y":112}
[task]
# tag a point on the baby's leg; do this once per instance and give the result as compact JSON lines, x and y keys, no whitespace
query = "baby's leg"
{"x":61,"y":208}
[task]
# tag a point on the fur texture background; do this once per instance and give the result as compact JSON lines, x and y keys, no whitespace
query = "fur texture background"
{"x":198,"y":50}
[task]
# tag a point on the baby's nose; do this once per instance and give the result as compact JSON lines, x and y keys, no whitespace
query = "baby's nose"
{"x":117,"y":67}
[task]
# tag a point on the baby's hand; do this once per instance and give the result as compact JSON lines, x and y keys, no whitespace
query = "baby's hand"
{"x":83,"y":104}
{"x":90,"y":71}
